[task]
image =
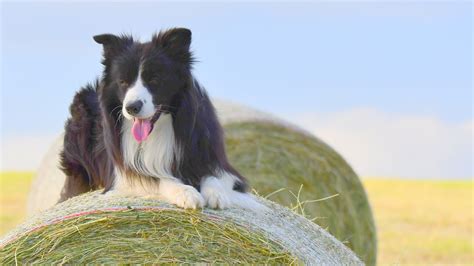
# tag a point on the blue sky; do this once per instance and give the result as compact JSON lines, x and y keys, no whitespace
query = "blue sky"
{"x":399,"y":58}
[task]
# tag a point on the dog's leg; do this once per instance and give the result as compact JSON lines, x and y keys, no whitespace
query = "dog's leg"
{"x":133,"y":186}
{"x":219,"y":193}
{"x":166,"y":189}
{"x":183,"y":196}
{"x":216,"y":191}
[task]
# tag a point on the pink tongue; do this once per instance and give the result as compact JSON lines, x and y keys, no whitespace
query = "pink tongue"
{"x":141,"y":129}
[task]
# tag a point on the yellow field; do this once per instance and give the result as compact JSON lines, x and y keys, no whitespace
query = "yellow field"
{"x":423,"y":222}
{"x":418,"y":222}
{"x":14,"y":189}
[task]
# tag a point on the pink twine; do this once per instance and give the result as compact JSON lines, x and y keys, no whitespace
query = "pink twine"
{"x":79,"y":214}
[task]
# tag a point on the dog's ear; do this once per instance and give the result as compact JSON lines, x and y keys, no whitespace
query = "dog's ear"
{"x":175,"y":42}
{"x":112,"y":44}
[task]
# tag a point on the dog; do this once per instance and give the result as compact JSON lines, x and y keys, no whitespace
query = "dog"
{"x":147,"y":128}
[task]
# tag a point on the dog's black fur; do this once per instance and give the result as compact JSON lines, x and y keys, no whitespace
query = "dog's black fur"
{"x":92,"y":141}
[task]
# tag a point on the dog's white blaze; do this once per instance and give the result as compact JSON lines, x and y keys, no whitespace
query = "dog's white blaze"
{"x":139,"y":92}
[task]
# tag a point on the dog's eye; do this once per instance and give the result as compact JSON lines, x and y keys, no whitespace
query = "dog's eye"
{"x":123,"y":83}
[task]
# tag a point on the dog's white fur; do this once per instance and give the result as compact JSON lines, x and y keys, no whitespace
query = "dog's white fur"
{"x":139,"y":92}
{"x":155,"y":155}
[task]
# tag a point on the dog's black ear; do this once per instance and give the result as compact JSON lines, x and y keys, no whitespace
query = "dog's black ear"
{"x":112,"y":44}
{"x":177,"y":39}
{"x":175,"y":42}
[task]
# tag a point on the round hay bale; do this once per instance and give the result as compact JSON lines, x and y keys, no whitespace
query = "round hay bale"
{"x":274,"y":154}
{"x":48,"y":182}
{"x":93,"y":228}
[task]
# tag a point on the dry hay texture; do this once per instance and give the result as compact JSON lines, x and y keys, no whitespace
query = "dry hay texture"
{"x":94,"y":228}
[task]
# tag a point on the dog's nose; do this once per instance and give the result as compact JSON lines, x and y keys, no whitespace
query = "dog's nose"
{"x":134,"y":107}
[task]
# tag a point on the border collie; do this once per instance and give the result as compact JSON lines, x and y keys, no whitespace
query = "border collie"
{"x":147,"y":128}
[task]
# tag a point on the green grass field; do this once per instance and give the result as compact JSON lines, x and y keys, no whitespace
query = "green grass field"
{"x":418,"y":222}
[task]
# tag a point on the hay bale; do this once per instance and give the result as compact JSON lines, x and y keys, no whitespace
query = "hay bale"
{"x":93,"y":228}
{"x":273,"y":154}
{"x":48,"y":182}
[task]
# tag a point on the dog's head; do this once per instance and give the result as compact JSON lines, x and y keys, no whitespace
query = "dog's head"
{"x":140,"y":80}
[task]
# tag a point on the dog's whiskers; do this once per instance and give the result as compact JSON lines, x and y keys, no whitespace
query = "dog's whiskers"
{"x":111,"y":112}
{"x":120,"y":116}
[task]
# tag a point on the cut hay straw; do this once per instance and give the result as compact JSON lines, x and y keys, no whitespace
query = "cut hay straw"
{"x":98,"y":229}
{"x":128,"y":236}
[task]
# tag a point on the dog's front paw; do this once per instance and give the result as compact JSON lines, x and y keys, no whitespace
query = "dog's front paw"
{"x":189,"y":198}
{"x":215,"y":198}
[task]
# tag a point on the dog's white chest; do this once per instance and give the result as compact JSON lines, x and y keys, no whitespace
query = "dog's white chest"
{"x":154,"y":156}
